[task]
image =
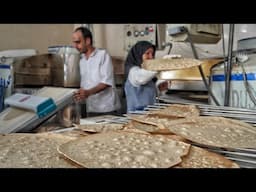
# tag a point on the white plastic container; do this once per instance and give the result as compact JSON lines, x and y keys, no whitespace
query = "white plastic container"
{"x":239,"y":96}
{"x":7,"y":59}
{"x":40,"y":105}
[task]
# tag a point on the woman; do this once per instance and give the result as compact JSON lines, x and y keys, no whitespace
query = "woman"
{"x":140,"y":85}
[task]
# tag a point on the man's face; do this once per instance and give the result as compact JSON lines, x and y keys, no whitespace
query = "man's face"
{"x":79,"y":42}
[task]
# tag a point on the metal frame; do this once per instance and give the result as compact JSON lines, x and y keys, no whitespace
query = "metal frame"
{"x":185,"y":30}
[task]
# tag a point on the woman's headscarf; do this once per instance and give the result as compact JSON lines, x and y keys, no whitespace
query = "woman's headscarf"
{"x":134,"y":57}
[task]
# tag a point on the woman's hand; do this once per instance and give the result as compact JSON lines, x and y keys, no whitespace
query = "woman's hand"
{"x":163,"y":86}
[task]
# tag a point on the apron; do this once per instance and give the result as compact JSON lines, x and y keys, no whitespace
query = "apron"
{"x":138,"y":98}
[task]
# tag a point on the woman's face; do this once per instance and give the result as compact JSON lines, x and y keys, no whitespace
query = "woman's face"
{"x":149,"y":54}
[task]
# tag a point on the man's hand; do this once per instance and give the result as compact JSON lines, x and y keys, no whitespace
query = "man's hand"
{"x":81,"y":94}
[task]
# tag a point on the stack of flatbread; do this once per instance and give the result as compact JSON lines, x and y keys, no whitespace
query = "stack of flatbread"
{"x":20,"y":150}
{"x":155,"y":120}
{"x":184,"y":120}
{"x":201,"y":158}
{"x":161,"y":139}
{"x":177,"y":110}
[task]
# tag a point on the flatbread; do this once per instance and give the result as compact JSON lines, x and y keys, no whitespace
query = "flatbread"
{"x":134,"y":130}
{"x":178,"y":110}
{"x":125,"y":150}
{"x":147,"y":127}
{"x":97,"y":128}
{"x":21,"y":150}
{"x":74,"y":133}
{"x":47,"y":128}
{"x":177,"y":138}
{"x":170,"y":64}
{"x":159,"y":121}
{"x":154,"y":120}
{"x":201,"y":158}
{"x":214,"y":131}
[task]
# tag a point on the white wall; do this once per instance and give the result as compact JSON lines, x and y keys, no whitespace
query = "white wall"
{"x":111,"y":37}
{"x":34,"y":36}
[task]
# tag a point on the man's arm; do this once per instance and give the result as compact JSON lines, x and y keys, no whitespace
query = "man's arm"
{"x":100,"y":87}
{"x":82,"y":94}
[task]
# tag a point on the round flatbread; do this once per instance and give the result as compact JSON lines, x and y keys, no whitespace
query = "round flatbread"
{"x":125,"y":150}
{"x":214,"y":131}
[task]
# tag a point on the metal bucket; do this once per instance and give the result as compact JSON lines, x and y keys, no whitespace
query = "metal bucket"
{"x":69,"y":115}
{"x":68,"y":74}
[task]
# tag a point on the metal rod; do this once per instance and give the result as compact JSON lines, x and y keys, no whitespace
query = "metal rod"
{"x":229,"y":64}
{"x":201,"y":69}
{"x":169,"y":102}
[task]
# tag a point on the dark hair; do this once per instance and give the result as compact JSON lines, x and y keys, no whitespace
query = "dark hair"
{"x":85,"y":32}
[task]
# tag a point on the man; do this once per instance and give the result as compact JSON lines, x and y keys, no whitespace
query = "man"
{"x":97,"y":77}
